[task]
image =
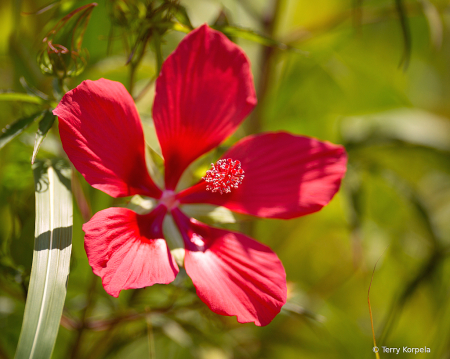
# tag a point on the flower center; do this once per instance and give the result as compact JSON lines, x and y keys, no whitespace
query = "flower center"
{"x":169,"y":200}
{"x":224,"y":175}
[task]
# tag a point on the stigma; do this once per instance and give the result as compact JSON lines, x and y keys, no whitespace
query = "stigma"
{"x":224,"y":175}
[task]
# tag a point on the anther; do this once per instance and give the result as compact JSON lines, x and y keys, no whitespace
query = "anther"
{"x":224,"y":175}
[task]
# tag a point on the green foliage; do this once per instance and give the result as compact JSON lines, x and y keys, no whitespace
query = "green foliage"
{"x":44,"y":126}
{"x":15,"y":96}
{"x":247,"y":34}
{"x":15,"y":128}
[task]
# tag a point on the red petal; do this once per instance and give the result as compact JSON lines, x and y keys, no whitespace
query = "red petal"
{"x":128,"y":250}
{"x":203,"y":93}
{"x":102,"y":135}
{"x":233,"y":274}
{"x":286,"y":176}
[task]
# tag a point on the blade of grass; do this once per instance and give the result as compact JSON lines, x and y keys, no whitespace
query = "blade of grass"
{"x":51,"y":260}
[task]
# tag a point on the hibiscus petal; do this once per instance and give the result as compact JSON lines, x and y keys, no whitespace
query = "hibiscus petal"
{"x":232,"y":273}
{"x":102,"y":135}
{"x":203,"y":93}
{"x":286,"y":176}
{"x":127,"y":250}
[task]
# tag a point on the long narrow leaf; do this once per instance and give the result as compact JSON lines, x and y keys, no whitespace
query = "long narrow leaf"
{"x":51,"y":259}
{"x":243,"y":33}
{"x":32,"y":90}
{"x":16,"y":128}
{"x":406,"y":32}
{"x":44,"y":126}
{"x":22,"y":97}
{"x":182,"y":16}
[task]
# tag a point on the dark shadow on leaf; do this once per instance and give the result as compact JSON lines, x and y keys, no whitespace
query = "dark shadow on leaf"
{"x":60,"y":238}
{"x":62,"y":171}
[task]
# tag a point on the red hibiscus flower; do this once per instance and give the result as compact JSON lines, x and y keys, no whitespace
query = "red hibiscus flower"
{"x":204,"y":91}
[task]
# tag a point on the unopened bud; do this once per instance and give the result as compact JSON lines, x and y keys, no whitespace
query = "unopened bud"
{"x":61,"y":54}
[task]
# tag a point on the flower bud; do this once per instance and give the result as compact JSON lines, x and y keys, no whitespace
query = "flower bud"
{"x":61,"y":54}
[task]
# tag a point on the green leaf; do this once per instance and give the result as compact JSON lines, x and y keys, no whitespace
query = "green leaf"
{"x":32,"y":90}
{"x":435,"y":23}
{"x":44,"y":126}
{"x":406,"y":32}
{"x":177,"y":26}
{"x":51,"y":259}
{"x":235,"y":31}
{"x":182,"y":16}
{"x":408,"y":125}
{"x":22,"y":97}
{"x":16,"y":128}
{"x":222,"y":19}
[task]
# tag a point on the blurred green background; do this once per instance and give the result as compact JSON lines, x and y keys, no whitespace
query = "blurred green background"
{"x":371,"y":75}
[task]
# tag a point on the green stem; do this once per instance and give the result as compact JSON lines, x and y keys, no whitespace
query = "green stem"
{"x":75,"y":348}
{"x":254,"y":123}
{"x":151,"y":338}
{"x":131,"y":78}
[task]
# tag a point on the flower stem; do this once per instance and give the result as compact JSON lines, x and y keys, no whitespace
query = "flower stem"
{"x":131,"y":78}
{"x":151,"y":339}
{"x":75,"y":348}
{"x":254,"y":123}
